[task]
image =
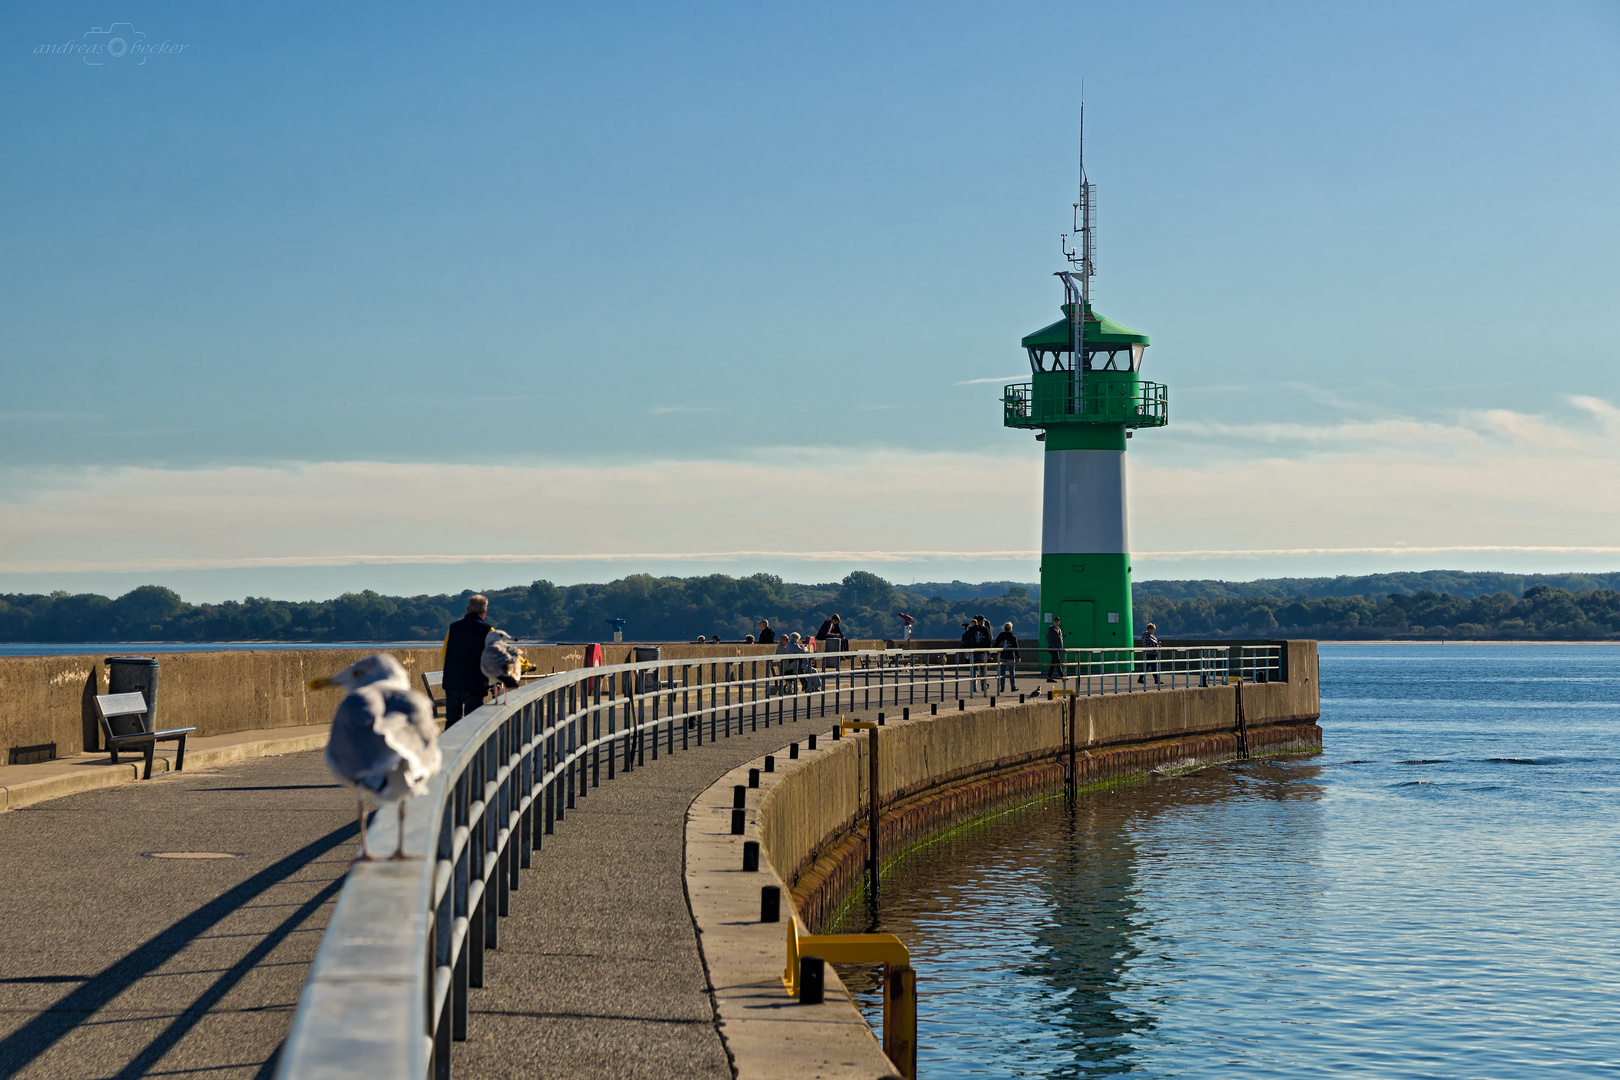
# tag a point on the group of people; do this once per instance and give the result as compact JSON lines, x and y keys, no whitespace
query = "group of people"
{"x":976,"y":635}
{"x":831,"y":629}
{"x":465,"y":684}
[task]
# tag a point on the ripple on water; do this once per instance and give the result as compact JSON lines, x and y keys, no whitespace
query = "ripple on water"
{"x":1310,"y":920}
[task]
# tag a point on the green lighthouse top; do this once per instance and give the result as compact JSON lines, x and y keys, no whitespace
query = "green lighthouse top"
{"x":1101,"y":333}
{"x":1104,"y":343}
{"x":1104,"y":388}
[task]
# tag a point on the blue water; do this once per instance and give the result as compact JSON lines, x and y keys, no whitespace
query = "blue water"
{"x":149,"y":648}
{"x":1436,"y":895}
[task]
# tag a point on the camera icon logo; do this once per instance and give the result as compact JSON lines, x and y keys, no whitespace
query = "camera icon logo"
{"x":117,"y":41}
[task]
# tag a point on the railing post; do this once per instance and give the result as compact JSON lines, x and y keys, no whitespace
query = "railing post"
{"x":568,"y":742}
{"x":525,"y":788}
{"x":549,"y":756}
{"x":596,"y":735}
{"x":612,"y":713}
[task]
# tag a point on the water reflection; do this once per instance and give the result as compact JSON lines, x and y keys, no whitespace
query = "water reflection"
{"x":1026,"y":929}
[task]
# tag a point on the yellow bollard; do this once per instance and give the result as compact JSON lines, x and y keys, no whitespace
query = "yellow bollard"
{"x":900,"y":1019}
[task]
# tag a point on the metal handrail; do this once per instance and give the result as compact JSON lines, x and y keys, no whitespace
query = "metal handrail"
{"x":1137,"y":403}
{"x":387,"y":993}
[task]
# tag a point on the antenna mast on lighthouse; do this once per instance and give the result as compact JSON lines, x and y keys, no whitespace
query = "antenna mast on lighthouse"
{"x":1082,"y":257}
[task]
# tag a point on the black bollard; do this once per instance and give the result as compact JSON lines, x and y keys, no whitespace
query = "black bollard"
{"x":739,"y":796}
{"x":992,"y":701}
{"x":838,"y":732}
{"x":753,"y":778}
{"x":739,"y":821}
{"x":812,"y":980}
{"x":770,"y":904}
{"x":1020,"y":699}
{"x":793,"y":749}
{"x":933,"y":708}
{"x":880,"y":719}
{"x":751,"y":855}
{"x":961,"y":704}
{"x":770,"y":763}
{"x":812,"y":741}
{"x":905,"y":714}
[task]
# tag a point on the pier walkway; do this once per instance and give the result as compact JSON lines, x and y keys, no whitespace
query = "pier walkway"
{"x":192,"y":967}
{"x":120,"y":964}
{"x":598,"y":973}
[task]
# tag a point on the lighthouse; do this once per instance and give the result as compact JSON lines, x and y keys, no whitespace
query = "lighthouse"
{"x":1085,"y":397}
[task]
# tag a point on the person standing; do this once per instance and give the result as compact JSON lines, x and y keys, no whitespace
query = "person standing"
{"x":1007,"y":642}
{"x":832,"y":628}
{"x":464,"y":682}
{"x":767,"y":636}
{"x":1150,"y":642}
{"x":977,"y":636}
{"x":1054,"y":642}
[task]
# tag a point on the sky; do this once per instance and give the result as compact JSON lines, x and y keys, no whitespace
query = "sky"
{"x":301,"y":299}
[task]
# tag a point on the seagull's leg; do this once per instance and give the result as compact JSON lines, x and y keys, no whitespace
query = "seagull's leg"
{"x":365,"y":852}
{"x":399,"y":852}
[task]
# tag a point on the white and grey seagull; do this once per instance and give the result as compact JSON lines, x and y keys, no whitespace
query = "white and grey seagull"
{"x":502,"y":663}
{"x":384,"y":739}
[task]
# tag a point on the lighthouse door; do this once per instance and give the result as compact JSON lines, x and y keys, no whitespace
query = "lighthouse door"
{"x":1079,"y":628}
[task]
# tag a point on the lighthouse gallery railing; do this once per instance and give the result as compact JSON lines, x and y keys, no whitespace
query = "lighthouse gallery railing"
{"x":387,"y":993}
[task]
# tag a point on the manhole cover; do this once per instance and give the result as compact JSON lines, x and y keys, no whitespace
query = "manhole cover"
{"x":192,"y":854}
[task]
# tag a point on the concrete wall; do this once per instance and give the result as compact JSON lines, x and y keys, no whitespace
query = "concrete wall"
{"x":49,"y":699}
{"x":816,"y":815}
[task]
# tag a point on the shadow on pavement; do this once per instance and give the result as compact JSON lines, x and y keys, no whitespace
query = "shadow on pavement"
{"x":31,"y":1040}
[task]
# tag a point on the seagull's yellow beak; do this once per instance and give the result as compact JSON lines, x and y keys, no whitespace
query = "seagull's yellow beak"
{"x":322,"y":684}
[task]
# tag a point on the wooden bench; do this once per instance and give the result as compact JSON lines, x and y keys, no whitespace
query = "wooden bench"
{"x":123,"y":724}
{"x":433,"y":685}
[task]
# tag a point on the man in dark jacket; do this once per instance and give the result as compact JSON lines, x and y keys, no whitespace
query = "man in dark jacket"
{"x":767,"y":636}
{"x":977,"y":635}
{"x":1054,"y":642}
{"x":464,"y":684}
{"x":1007,"y":642}
{"x":1150,"y":642}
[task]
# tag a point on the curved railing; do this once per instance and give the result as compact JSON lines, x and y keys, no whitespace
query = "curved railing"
{"x":387,"y":992}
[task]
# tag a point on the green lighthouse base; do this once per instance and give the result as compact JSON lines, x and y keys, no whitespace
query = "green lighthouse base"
{"x":1091,"y":593}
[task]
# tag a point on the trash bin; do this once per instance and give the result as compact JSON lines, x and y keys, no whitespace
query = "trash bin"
{"x":647,"y":681}
{"x":128,"y":674}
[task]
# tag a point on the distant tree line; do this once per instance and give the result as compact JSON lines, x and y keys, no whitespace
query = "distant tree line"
{"x":655,"y":609}
{"x":1543,"y":612}
{"x":674,"y":609}
{"x":1464,"y":583}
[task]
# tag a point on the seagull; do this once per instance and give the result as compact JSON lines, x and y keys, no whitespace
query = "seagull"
{"x":502,"y":662}
{"x":384,"y":739}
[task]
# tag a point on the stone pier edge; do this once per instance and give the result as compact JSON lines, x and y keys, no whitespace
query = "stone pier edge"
{"x":943,"y":772}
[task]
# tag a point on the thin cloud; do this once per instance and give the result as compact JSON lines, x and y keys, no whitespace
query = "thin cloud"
{"x":1394,"y":432}
{"x":1606,"y":414}
{"x":1530,"y":430}
{"x":994,"y":379}
{"x":1396,"y":549}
